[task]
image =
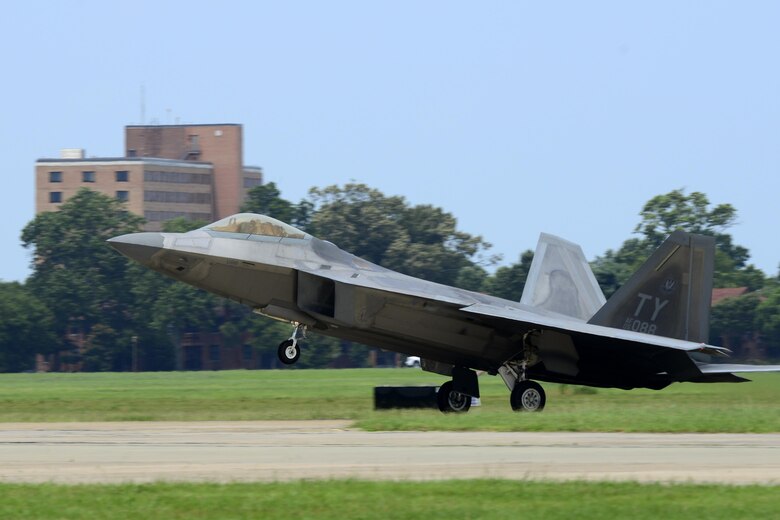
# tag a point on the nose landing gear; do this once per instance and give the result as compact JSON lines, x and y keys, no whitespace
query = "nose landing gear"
{"x":289,"y":350}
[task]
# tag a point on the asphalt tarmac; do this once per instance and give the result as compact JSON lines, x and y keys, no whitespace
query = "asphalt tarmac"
{"x":291,"y":450}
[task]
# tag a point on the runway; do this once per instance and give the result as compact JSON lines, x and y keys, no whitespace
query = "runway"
{"x":291,"y":450}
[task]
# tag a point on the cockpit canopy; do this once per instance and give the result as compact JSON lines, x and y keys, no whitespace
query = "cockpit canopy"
{"x":253,"y":224}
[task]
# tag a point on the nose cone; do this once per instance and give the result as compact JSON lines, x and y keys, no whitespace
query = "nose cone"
{"x":138,"y":246}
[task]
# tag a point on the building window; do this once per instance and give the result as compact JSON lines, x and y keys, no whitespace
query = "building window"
{"x":161,"y":216}
{"x":213,"y":353}
{"x":177,"y":177}
{"x":122,"y":176}
{"x":251,"y":182}
{"x":123,"y":196}
{"x":177,"y":197}
{"x":87,"y":176}
{"x":55,"y":197}
{"x":55,"y":176}
{"x":131,"y":153}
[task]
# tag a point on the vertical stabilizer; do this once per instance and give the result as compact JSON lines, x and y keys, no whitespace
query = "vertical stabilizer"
{"x":560,"y":280}
{"x":670,"y":294}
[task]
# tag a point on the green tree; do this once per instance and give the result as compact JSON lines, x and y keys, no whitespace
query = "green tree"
{"x":767,"y":321}
{"x":106,"y":350}
{"x":98,"y":294}
{"x":727,"y":275}
{"x":185,"y":308}
{"x":430,"y":246}
{"x":472,"y":278}
{"x":421,"y":241}
{"x":266,"y":334}
{"x":177,"y":304}
{"x":731,"y":321}
{"x":358,"y":219}
{"x":165,"y":309}
{"x":615,"y":267}
{"x":266,"y":199}
{"x":675,"y":210}
{"x":693,"y":213}
{"x":508,"y":282}
{"x":182,"y":225}
{"x":26,"y":328}
{"x":75,"y":273}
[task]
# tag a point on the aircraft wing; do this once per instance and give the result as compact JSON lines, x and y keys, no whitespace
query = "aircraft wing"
{"x":574,"y":345}
{"x":526,"y":318}
{"x":574,"y":352}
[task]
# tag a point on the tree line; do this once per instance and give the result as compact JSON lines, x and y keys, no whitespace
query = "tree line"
{"x":86,"y":306}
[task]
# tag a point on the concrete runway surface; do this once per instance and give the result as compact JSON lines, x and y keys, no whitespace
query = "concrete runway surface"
{"x":290,"y":450}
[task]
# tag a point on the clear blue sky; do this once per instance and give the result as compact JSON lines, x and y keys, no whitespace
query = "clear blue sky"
{"x":517,"y":117}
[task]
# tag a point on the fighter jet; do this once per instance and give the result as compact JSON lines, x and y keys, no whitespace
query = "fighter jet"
{"x":652,"y":332}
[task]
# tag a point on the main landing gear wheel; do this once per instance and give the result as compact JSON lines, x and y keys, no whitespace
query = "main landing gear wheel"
{"x":451,"y":401}
{"x":288,"y":351}
{"x":527,"y":396}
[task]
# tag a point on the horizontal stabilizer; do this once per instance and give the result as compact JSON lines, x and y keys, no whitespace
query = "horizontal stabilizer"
{"x":723,"y":368}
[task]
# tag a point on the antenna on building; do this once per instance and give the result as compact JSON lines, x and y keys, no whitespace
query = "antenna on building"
{"x":143,"y":104}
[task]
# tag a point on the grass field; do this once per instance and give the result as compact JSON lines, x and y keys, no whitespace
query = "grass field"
{"x":452,"y":500}
{"x":348,"y":394}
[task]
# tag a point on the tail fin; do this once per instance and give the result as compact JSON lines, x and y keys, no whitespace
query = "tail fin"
{"x":560,"y":280}
{"x":670,"y":294}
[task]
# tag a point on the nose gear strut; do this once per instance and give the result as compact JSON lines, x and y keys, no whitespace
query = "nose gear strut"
{"x":289,"y":350}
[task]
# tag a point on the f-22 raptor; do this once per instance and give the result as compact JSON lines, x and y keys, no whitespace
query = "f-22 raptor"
{"x":652,"y":332}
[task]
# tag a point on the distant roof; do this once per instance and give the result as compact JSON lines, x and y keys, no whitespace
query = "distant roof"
{"x":183,"y":126}
{"x":150,"y":160}
{"x":727,"y":292}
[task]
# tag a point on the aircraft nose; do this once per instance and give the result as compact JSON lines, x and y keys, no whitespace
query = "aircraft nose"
{"x":138,"y":246}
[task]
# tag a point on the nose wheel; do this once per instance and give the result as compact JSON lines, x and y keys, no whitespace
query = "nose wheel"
{"x":289,"y":350}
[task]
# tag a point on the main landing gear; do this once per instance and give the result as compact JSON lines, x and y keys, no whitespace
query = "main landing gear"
{"x":289,"y":350}
{"x":451,"y":401}
{"x":527,"y":396}
{"x":455,"y":396}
